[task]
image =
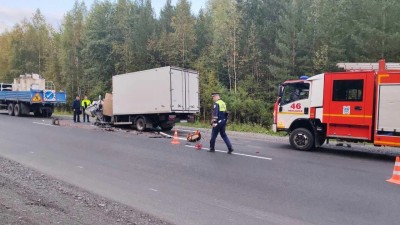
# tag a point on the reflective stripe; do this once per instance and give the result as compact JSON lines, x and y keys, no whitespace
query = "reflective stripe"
{"x":387,"y":143}
{"x":397,"y":164}
{"x":348,"y":115}
{"x":382,"y":76}
{"x":396,"y":172}
{"x":291,"y":113}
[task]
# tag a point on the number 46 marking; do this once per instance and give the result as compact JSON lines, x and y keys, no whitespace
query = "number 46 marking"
{"x":296,"y":106}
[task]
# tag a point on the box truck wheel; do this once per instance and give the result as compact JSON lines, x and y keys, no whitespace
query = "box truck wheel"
{"x":17,"y":110}
{"x":140,"y":124}
{"x":10,"y":109}
{"x":301,"y":139}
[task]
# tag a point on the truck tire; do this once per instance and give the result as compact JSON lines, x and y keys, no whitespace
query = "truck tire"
{"x":37,"y":113}
{"x":302,"y":139}
{"x":140,"y":124}
{"x":17,"y":110}
{"x":10,"y":109}
{"x":46,"y":113}
{"x":49,"y":114}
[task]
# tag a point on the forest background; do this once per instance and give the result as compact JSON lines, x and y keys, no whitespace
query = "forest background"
{"x":241,"y":48}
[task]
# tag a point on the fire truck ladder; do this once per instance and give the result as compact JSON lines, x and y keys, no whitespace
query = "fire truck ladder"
{"x":367,"y":66}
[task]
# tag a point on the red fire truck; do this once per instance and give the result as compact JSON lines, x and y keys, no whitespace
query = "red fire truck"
{"x":361,"y":104}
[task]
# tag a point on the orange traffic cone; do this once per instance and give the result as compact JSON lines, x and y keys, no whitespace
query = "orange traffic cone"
{"x":175,"y":141}
{"x":396,"y":172}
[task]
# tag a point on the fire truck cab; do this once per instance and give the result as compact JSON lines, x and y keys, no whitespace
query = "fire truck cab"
{"x":361,"y":104}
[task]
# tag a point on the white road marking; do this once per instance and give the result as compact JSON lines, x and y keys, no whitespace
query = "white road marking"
{"x":235,"y":153}
{"x":186,"y":130}
{"x":151,"y":189}
{"x":31,"y":152}
{"x":253,"y":146}
{"x":80,"y":167}
{"x":167,"y":135}
{"x":45,"y":124}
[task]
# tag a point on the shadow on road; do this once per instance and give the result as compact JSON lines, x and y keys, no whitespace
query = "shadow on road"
{"x":356,"y":151}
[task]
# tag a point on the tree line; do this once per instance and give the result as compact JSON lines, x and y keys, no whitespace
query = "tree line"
{"x":242,"y":48}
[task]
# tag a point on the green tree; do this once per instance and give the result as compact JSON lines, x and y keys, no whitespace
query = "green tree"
{"x":5,"y":56}
{"x":260,"y":24}
{"x":99,"y":62}
{"x":291,"y":56}
{"x":166,"y":15}
{"x":203,"y":31}
{"x":53,"y":63}
{"x":209,"y":83}
{"x":123,"y":36}
{"x":377,"y":30}
{"x":226,"y":31}
{"x":29,"y":46}
{"x":144,"y":31}
{"x":177,"y":47}
{"x":71,"y":42}
{"x":183,"y":36}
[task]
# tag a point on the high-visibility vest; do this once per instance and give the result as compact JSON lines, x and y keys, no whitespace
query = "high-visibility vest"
{"x":221,"y":110}
{"x":86,"y":101}
{"x":221,"y":105}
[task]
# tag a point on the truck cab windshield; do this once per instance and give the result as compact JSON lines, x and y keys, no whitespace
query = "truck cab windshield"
{"x":294,"y":92}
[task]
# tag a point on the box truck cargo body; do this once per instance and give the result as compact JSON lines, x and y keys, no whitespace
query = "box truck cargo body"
{"x":154,"y":98}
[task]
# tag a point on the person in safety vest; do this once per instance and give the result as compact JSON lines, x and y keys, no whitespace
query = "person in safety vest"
{"x":218,"y":123}
{"x":85,"y":103}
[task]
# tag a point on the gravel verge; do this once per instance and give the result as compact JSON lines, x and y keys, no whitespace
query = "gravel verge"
{"x":29,"y":197}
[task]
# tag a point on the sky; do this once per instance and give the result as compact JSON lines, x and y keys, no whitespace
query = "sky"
{"x":14,"y":11}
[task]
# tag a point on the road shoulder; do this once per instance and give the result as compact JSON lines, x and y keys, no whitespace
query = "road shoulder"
{"x":29,"y":197}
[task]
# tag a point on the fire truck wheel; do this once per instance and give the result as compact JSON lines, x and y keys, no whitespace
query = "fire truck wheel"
{"x":302,"y":139}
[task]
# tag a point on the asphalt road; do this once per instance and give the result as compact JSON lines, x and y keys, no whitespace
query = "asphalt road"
{"x":266,"y":183}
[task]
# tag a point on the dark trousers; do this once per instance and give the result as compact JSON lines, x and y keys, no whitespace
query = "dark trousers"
{"x":76,"y":116}
{"x":85,"y":116}
{"x":220,"y":129}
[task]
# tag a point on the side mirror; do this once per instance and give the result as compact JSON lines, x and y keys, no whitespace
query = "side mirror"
{"x":280,"y":90}
{"x":279,"y":100}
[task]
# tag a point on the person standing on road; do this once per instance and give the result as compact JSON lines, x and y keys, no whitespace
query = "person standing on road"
{"x":85,"y":103}
{"x":76,"y":107}
{"x":218,"y":123}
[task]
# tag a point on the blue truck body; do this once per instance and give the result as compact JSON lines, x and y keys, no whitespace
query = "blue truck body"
{"x":40,"y":102}
{"x":27,"y":96}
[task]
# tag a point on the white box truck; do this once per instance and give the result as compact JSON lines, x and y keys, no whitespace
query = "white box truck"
{"x":153,"y":98}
